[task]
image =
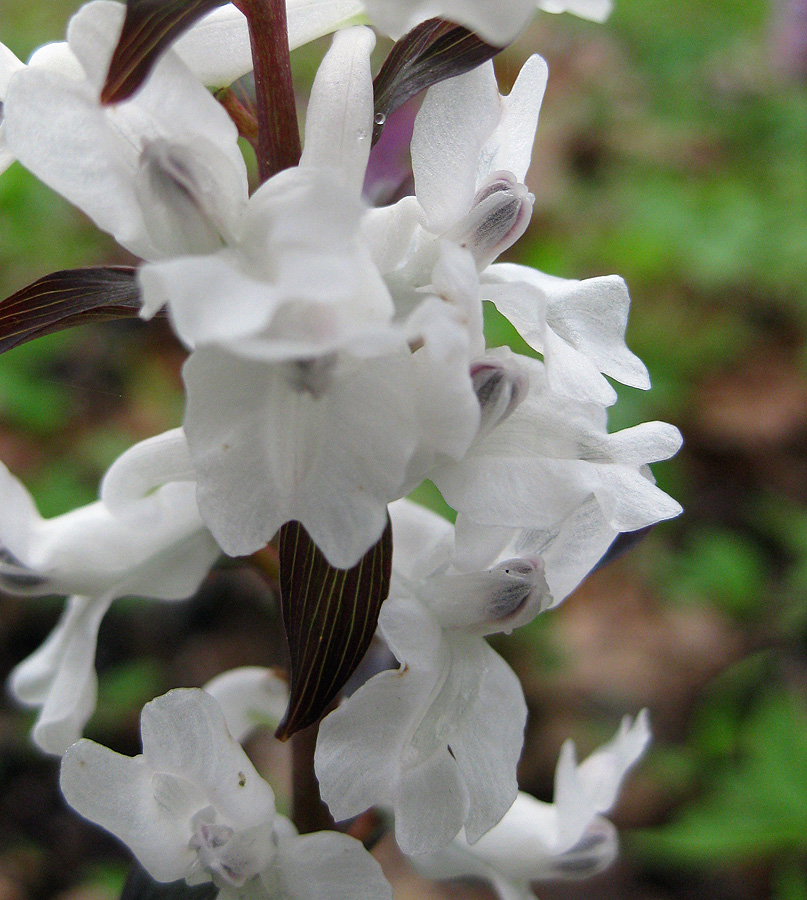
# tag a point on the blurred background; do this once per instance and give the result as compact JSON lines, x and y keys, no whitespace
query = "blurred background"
{"x":672,"y":149}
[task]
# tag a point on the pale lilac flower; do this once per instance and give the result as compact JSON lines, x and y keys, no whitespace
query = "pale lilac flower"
{"x":538,"y":841}
{"x":193,"y":807}
{"x":158,"y":548}
{"x":438,"y":739}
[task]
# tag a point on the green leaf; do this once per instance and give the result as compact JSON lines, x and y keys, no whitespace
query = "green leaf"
{"x":63,"y":299}
{"x":330,"y":617}
{"x":754,"y":810}
{"x":150,"y":27}
{"x":431,"y":52}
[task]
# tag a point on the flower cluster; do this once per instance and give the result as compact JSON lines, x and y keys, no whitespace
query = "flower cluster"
{"x":337,"y":359}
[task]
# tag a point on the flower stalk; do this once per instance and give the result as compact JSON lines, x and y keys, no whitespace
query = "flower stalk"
{"x":278,"y":133}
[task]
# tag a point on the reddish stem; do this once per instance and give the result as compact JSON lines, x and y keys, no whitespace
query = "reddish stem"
{"x":278,"y":133}
{"x":309,"y":813}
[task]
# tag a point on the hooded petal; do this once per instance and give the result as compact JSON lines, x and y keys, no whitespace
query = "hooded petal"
{"x":339,"y":120}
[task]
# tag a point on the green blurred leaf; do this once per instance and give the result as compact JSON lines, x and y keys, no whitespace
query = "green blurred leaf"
{"x":755,"y":809}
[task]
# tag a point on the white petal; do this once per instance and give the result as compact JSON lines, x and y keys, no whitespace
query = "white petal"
{"x":115,"y":792}
{"x":327,"y":864}
{"x":423,"y":540}
{"x":573,"y":374}
{"x":361,"y":743}
{"x":250,"y":697}
{"x":185,"y":734}
{"x":497,"y":24}
{"x":488,"y":739}
{"x":217,"y":48}
{"x":340,"y":111}
{"x":60,"y":675}
{"x":432,"y":804}
{"x":509,"y":147}
{"x":9,"y":64}
{"x":454,"y":122}
{"x":596,"y":10}
{"x":334,"y":464}
{"x":602,"y":772}
{"x":590,"y":315}
{"x":143,"y":468}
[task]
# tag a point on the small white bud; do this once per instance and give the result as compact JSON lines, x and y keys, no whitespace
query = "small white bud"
{"x":499,"y":215}
{"x":499,"y":388}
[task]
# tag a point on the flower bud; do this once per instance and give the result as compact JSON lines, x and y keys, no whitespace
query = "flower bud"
{"x":499,"y":215}
{"x":182,"y":197}
{"x":510,"y":594}
{"x":499,"y":388}
{"x":16,"y":578}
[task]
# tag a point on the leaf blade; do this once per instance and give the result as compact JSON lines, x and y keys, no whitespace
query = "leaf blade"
{"x":150,"y":27}
{"x":330,"y":616}
{"x":431,"y":52}
{"x":66,"y":298}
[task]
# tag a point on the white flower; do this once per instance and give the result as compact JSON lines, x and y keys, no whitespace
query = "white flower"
{"x":310,"y":397}
{"x":497,"y":23}
{"x":471,"y":149}
{"x":192,"y":806}
{"x":55,"y":57}
{"x":578,"y":326}
{"x":328,"y":441}
{"x":158,"y":549}
{"x":250,"y":697}
{"x":438,"y":739}
{"x":162,"y":172}
{"x":566,"y":839}
{"x":544,"y":455}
